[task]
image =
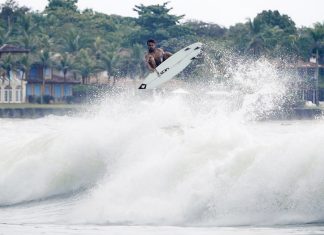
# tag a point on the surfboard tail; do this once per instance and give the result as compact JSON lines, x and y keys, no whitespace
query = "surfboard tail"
{"x":142,"y":86}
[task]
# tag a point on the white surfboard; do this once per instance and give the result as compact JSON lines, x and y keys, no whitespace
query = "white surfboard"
{"x":172,"y":66}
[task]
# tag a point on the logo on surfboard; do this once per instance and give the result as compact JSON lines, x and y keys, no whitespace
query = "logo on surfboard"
{"x":163,"y":71}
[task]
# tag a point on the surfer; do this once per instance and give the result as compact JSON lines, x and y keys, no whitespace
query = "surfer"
{"x":155,"y":56}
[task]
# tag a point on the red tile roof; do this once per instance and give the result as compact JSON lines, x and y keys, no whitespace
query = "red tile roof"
{"x":55,"y":80}
{"x":6,"y":48}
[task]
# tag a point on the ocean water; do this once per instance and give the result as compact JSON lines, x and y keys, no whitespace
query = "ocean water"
{"x":201,"y":160}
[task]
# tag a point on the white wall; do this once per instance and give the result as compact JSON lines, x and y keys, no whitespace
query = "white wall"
{"x":15,"y":94}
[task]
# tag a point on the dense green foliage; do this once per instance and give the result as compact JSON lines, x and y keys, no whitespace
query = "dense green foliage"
{"x":89,"y":42}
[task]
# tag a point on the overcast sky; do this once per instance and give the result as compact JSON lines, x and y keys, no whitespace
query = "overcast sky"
{"x":222,"y":12}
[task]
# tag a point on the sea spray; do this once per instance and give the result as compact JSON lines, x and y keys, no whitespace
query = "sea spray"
{"x":198,"y":158}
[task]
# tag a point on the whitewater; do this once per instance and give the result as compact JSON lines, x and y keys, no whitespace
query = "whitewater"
{"x":206,"y":159}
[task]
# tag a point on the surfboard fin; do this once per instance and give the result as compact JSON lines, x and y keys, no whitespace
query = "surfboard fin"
{"x":142,"y":86}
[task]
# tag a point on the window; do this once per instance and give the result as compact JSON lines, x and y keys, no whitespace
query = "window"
{"x":18,"y":93}
{"x":33,"y":73}
{"x":8,"y":94}
{"x":48,"y":73}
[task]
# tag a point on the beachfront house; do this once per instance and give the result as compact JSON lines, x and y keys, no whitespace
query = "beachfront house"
{"x":310,"y":76}
{"x":57,"y":88}
{"x":12,"y":85}
{"x":12,"y":90}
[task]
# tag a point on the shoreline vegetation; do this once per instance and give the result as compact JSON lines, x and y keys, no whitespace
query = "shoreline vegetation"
{"x":83,"y":45}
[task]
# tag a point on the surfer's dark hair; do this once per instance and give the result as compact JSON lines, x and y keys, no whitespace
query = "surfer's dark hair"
{"x":150,"y":40}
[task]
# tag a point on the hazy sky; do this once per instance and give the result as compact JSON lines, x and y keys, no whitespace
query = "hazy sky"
{"x":223,"y":12}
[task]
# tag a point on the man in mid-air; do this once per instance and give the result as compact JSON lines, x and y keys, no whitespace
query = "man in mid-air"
{"x":155,"y":56}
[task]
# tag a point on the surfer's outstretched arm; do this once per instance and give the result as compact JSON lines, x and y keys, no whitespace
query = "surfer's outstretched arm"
{"x":166,"y":55}
{"x":150,"y":62}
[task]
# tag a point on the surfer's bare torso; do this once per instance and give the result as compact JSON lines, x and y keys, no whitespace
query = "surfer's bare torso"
{"x":155,"y":56}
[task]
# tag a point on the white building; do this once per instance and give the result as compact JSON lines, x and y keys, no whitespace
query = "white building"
{"x":13,"y":90}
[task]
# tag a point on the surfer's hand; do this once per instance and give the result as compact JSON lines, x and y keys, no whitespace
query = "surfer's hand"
{"x":157,"y":72}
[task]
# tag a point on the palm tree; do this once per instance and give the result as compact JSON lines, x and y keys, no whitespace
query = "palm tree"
{"x":318,"y":36}
{"x":98,"y":47}
{"x":256,"y":44}
{"x":137,"y":56}
{"x":72,"y":42}
{"x":65,"y":64}
{"x":4,"y":36}
{"x":108,"y":60}
{"x":45,"y":42}
{"x":27,"y":38}
{"x":45,"y":61}
{"x":24,"y":65}
{"x":85,"y":65}
{"x":7,"y":65}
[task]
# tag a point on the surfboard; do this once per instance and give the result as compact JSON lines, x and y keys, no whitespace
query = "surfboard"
{"x":172,"y":66}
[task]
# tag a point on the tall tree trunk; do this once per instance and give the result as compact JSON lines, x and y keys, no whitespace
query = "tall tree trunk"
{"x":21,"y":87}
{"x":43,"y":87}
{"x":316,"y":78}
{"x":108,"y":75}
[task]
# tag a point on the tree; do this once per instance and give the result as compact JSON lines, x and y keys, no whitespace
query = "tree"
{"x":269,"y":33}
{"x":305,"y":43}
{"x":45,"y":61}
{"x":155,"y":21}
{"x":317,"y":34}
{"x":27,"y":36}
{"x":204,"y":29}
{"x":63,"y":16}
{"x":137,"y":61}
{"x":272,"y":33}
{"x":6,"y":64}
{"x":72,"y":42}
{"x":98,"y":47}
{"x":59,"y":5}
{"x":129,"y":62}
{"x":85,"y":65}
{"x":24,"y":65}
{"x":310,"y":41}
{"x":256,"y":44}
{"x":64,"y":64}
{"x":4,"y":36}
{"x":239,"y":36}
{"x":108,"y":61}
{"x":272,"y":19}
{"x":10,"y":12}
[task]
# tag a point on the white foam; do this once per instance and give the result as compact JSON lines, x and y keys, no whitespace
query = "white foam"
{"x":171,"y":160}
